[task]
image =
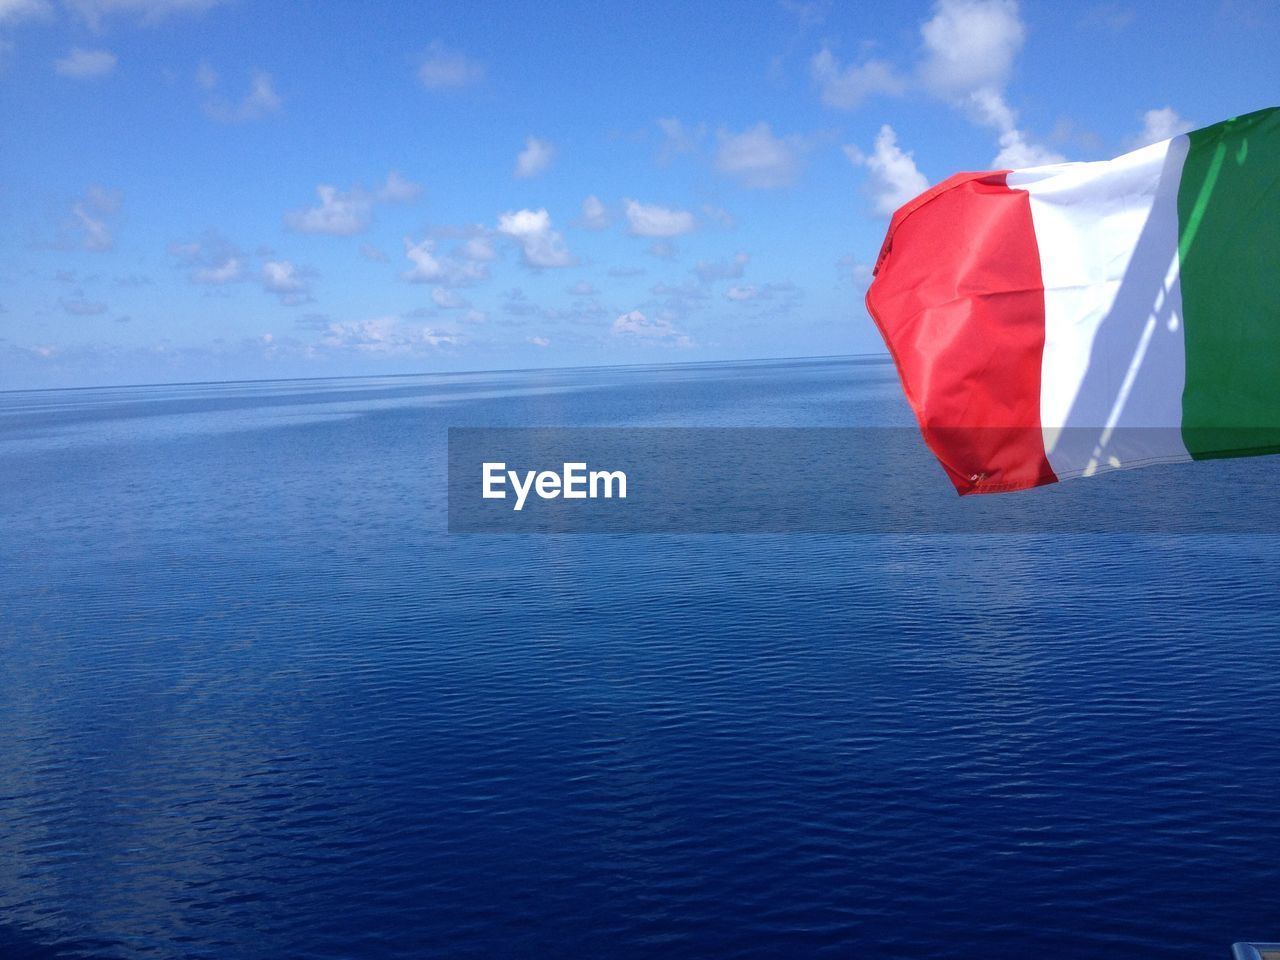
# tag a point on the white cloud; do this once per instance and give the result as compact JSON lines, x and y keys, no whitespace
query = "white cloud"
{"x":1161,"y":124}
{"x":970,"y":45}
{"x":230,"y":270}
{"x":969,"y":50}
{"x":447,"y":299}
{"x":1017,"y":152}
{"x":967,"y":55}
{"x":283,"y":279}
{"x":341,"y":214}
{"x":92,"y":214}
{"x":427,"y":267}
{"x":534,"y":158}
{"x":541,"y":246}
{"x":386,"y":336}
{"x":371,"y":252}
{"x":81,"y":64}
{"x":894,"y":178}
{"x":742,"y":293}
{"x":444,"y":69}
{"x":1016,"y":148}
{"x":595,"y":216}
{"x":261,"y":100}
{"x":396,"y":189}
{"x":583,"y":288}
{"x":651,"y":220}
{"x":757,"y":158}
{"x":846,"y":87}
{"x":445,"y":271}
{"x":539,"y":341}
{"x":635,"y":325}
{"x":344,"y":213}
{"x":211,"y":260}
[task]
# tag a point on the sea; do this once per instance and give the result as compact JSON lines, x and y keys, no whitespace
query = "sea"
{"x":256,"y":700}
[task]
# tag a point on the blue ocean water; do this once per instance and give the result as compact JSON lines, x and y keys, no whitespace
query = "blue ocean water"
{"x":257,"y":703}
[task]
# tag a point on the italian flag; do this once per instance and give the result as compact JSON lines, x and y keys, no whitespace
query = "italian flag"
{"x":1065,"y":320}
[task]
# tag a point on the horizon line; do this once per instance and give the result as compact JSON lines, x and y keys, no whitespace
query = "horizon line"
{"x":443,"y":373}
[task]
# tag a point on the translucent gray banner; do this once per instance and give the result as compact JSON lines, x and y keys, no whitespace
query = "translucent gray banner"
{"x":815,"y":480}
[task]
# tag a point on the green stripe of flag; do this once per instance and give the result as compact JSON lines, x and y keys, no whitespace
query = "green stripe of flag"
{"x":1229,"y":251}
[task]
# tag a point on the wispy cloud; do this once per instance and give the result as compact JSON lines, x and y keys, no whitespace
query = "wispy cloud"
{"x":1112,"y":18}
{"x":445,"y":69}
{"x":288,"y":283}
{"x":540,"y":245}
{"x":652,"y":220}
{"x":149,"y":12}
{"x":92,"y":215}
{"x":80,"y":307}
{"x":230,"y":270}
{"x":970,"y":47}
{"x":396,"y":189}
{"x":447,"y":299}
{"x":845,"y":87}
{"x":385,"y":336}
{"x":338,"y":213}
{"x":259,"y":102}
{"x":757,"y":158}
{"x":679,"y":137}
{"x":893,"y":176}
{"x":343,"y":213}
{"x":1017,"y":149}
{"x":709,"y":271}
{"x":81,"y":64}
{"x":595,"y":215}
{"x":635,"y":325}
{"x":750,"y":293}
{"x":534,"y":158}
{"x":448,"y":271}
{"x":1161,"y":124}
{"x":211,"y":260}
{"x":16,"y":11}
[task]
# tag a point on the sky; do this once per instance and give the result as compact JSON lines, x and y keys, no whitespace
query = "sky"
{"x":255,"y":189}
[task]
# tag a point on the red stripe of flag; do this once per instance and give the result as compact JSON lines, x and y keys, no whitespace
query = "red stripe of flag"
{"x":959,"y":299}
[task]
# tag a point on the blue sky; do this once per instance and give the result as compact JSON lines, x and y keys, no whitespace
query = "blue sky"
{"x":205,"y":190}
